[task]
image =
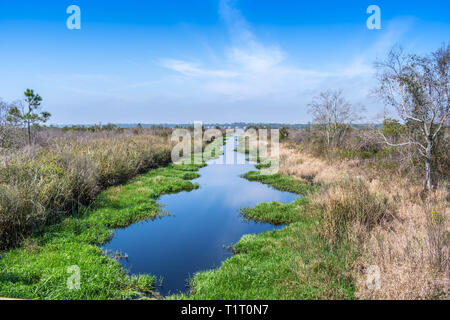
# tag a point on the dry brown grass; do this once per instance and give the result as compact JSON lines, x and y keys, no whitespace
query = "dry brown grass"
{"x":40,"y":184}
{"x":410,"y":247}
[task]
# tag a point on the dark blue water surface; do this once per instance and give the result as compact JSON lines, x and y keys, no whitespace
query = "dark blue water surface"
{"x":201,"y":225}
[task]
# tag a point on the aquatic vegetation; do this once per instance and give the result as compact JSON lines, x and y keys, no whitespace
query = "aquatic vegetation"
{"x":276,"y":212}
{"x":281,"y":182}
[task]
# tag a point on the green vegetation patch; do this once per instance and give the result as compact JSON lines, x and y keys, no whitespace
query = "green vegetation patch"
{"x":263,"y":165}
{"x":292,"y":263}
{"x":39,"y":268}
{"x":276,"y":212}
{"x":281,"y":182}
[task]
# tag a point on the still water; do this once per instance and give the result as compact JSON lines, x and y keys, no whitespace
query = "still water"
{"x":201,"y":226}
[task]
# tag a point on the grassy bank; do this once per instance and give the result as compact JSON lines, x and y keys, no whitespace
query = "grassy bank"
{"x":296,"y":262}
{"x":281,"y":182}
{"x":387,"y":219}
{"x":276,"y":212}
{"x":317,"y":254}
{"x":38,"y":269}
{"x":40,"y":184}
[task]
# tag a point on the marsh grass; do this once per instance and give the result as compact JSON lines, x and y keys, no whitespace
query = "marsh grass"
{"x":38,"y":268}
{"x":281,"y":182}
{"x":276,"y":212}
{"x":438,"y":236}
{"x":393,"y":225}
{"x":348,"y":205}
{"x":41,"y":185}
{"x":295,"y":262}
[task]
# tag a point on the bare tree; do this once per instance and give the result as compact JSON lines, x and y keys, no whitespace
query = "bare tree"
{"x":418,"y":88}
{"x":334,"y":115}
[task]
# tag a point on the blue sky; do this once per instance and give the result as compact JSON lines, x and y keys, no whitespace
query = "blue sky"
{"x":204,"y":60}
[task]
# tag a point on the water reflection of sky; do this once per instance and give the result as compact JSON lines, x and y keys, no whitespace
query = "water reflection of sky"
{"x":202,"y":224}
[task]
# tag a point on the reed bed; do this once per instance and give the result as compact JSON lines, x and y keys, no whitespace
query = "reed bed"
{"x":385,"y":217}
{"x":39,"y":184}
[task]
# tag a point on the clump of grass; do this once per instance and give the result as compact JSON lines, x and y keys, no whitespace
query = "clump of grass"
{"x":139,"y":286}
{"x":263,"y":164}
{"x":438,"y":236}
{"x":348,"y":204}
{"x":276,"y":212}
{"x":281,"y":182}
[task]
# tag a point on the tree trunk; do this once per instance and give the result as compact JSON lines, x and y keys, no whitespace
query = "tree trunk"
{"x":428,"y":163}
{"x":29,"y":133}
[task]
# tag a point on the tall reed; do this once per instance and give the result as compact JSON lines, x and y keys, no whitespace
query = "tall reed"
{"x":39,"y":184}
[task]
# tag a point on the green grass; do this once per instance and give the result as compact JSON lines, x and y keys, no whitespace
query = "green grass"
{"x":281,"y":182}
{"x":295,"y":262}
{"x":276,"y":212}
{"x":38,"y":269}
{"x":263,"y":165}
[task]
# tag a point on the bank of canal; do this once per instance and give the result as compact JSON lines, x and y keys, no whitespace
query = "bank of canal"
{"x":201,"y":226}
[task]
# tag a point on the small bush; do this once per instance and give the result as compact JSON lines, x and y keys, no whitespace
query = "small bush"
{"x":349,"y":206}
{"x":438,"y":237}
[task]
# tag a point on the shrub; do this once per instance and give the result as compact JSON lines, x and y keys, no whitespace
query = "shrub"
{"x":350,"y":210}
{"x":438,"y":236}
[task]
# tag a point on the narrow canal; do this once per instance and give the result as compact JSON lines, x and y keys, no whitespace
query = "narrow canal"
{"x":202,"y":224}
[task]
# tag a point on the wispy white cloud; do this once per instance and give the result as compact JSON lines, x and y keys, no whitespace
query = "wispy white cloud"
{"x":254,"y":71}
{"x":191,"y":69}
